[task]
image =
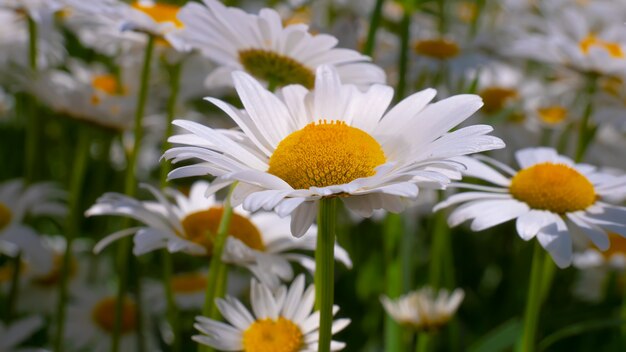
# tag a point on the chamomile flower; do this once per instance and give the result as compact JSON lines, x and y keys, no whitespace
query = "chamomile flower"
{"x":11,"y":336}
{"x":549,"y":197}
{"x":281,"y":321}
{"x":89,"y":93}
{"x":299,"y":146}
{"x":424,"y":309}
{"x":91,"y":323}
{"x":260,"y":242}
{"x":18,"y":201}
{"x":38,"y":10}
{"x":263,"y":47}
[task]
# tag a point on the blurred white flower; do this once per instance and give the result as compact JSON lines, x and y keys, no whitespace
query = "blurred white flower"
{"x":11,"y":336}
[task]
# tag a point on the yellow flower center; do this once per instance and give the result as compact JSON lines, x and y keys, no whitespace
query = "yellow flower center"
{"x":441,"y":49}
{"x":201,"y":227}
{"x":467,"y":11}
{"x":617,"y":246}
{"x":278,"y":69}
{"x":269,"y":335}
{"x":614,"y":49}
{"x":5,"y":216}
{"x":103,"y":314}
{"x":554,"y":187}
{"x":552,"y":115}
{"x":325,"y":154}
{"x":495,"y":98}
{"x":53,"y":277}
{"x":106,"y":83}
{"x":159,"y":12}
{"x":188,"y":283}
{"x":612,"y":85}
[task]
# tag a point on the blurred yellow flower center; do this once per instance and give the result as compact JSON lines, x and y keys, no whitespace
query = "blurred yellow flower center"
{"x":614,"y":49}
{"x":552,"y":115}
{"x":201,"y":227}
{"x":269,"y":335}
{"x":441,"y":49}
{"x":53,"y":277}
{"x":159,"y":12}
{"x":554,"y":187}
{"x":467,"y":11}
{"x":5,"y":216}
{"x":495,"y":98}
{"x":277,"y":69}
{"x":103,"y":314}
{"x":617,"y":246}
{"x":188,"y":283}
{"x":325,"y":154}
{"x":612,"y":85}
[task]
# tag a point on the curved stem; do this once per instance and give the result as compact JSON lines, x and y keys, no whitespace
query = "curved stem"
{"x":73,"y":229}
{"x":130,"y":187}
{"x":368,"y":48}
{"x":325,"y":270}
{"x":533,"y":302}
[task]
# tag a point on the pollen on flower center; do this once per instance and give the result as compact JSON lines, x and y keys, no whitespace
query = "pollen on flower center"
{"x":201,"y":227}
{"x":614,"y":49}
{"x":495,"y":98}
{"x":5,"y":216}
{"x":103,"y":314}
{"x":325,"y":154}
{"x":552,"y":115}
{"x":159,"y":12}
{"x":276,"y":68}
{"x":270,"y":335}
{"x":441,"y":49}
{"x":188,"y":283}
{"x":554,"y":187}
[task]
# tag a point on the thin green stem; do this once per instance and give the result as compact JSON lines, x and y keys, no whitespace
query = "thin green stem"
{"x":172,"y":309}
{"x":15,"y":287}
{"x":217,"y":269}
{"x":586,"y":131}
{"x":130,"y":187}
{"x":73,"y":229}
{"x":32,"y":44}
{"x":403,"y":57}
{"x":32,"y":124}
{"x":368,"y":48}
{"x":533,"y":302}
{"x":325,"y":270}
{"x":423,"y":342}
{"x":393,"y":231}
{"x":440,"y":234}
{"x":175,"y":72}
{"x":222,"y":280}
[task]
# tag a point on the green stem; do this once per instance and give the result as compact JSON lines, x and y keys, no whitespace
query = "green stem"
{"x":32,"y":125}
{"x":393,"y":231}
{"x":73,"y":229}
{"x":324,"y":269}
{"x":15,"y":287}
{"x":130,"y":187}
{"x":32,"y":44}
{"x":533,"y":302}
{"x":172,"y":309}
{"x":423,"y":342}
{"x":403,"y":57}
{"x":222,"y":280}
{"x":175,"y":72}
{"x":586,"y":130}
{"x":438,"y":251}
{"x":217,"y":269}
{"x":368,"y":49}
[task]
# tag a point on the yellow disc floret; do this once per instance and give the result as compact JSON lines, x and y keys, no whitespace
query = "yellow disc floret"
{"x":552,"y":115}
{"x":159,"y":12}
{"x":201,"y":227}
{"x":613,"y":49}
{"x":554,"y":187}
{"x":275,"y":68}
{"x":270,"y":335}
{"x":188,"y":283}
{"x":441,"y":49}
{"x":5,"y":216}
{"x":496,"y":98}
{"x":103,"y":314}
{"x":325,"y":154}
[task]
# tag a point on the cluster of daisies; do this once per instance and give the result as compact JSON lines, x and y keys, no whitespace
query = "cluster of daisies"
{"x":189,"y":173}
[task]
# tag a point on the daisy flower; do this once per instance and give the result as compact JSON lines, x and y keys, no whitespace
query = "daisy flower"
{"x":263,"y":47}
{"x":424,"y":309}
{"x":260,"y":242}
{"x":38,"y":10}
{"x":91,"y":322}
{"x":18,"y":201}
{"x":299,"y":146}
{"x":280,"y":321}
{"x":551,"y":197}
{"x":11,"y":336}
